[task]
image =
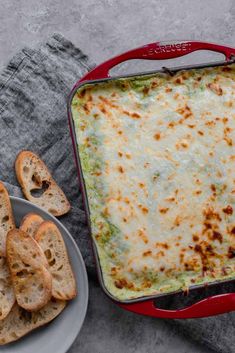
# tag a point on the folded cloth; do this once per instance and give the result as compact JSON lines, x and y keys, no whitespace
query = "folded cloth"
{"x":33,"y":96}
{"x":33,"y":99}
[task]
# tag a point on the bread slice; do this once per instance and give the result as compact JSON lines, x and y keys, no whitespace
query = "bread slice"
{"x":31,"y":279}
{"x":38,"y":185}
{"x":6,"y":218}
{"x":30,"y":223}
{"x":20,"y":322}
{"x":7,"y":296}
{"x":51,"y":241}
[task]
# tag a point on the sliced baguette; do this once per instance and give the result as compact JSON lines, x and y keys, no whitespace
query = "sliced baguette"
{"x":20,"y":322}
{"x":33,"y":175}
{"x":31,"y":279}
{"x":30,"y":223}
{"x":51,"y":241}
{"x":6,"y":218}
{"x":7,"y":296}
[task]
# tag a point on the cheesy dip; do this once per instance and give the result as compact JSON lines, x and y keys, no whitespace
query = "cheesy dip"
{"x":158,"y":159}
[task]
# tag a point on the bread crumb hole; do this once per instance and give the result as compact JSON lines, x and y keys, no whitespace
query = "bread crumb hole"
{"x":52,"y":262}
{"x":5,"y":219}
{"x":25,"y":169}
{"x":22,"y":273}
{"x":25,"y":315}
{"x":15,"y":266}
{"x":48,"y":254}
{"x":52,"y":210}
{"x":38,"y":192}
{"x":40,"y":288}
{"x":36,"y":179}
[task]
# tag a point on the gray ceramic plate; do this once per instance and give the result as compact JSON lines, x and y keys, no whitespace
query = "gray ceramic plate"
{"x":58,"y":335}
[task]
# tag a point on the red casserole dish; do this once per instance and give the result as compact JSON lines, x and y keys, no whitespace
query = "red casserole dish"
{"x":212,"y":305}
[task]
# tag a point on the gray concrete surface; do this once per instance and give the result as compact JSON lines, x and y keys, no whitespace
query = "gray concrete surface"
{"x":103,"y":28}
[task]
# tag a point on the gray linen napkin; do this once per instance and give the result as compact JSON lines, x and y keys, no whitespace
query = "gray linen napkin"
{"x":33,"y":94}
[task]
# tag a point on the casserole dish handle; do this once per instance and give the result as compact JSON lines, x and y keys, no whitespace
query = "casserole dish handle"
{"x":214,"y":305}
{"x":157,"y":51}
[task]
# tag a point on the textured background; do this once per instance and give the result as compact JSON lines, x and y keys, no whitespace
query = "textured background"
{"x":103,"y":28}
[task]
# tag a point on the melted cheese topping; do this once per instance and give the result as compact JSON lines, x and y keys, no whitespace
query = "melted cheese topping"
{"x":158,"y":155}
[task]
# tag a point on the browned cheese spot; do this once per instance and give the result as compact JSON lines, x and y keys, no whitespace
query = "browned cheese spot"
{"x":228,"y":210}
{"x":195,"y":237}
{"x":177,"y":221}
{"x":178,"y":80}
{"x":121,"y":169}
{"x":162,"y":245}
{"x":226,"y":69}
{"x":185,"y":111}
{"x":163,"y":210}
{"x":214,"y":87}
{"x":142,"y":234}
{"x":228,"y":140}
{"x":157,"y":136}
{"x":209,"y":213}
{"x":108,"y":102}
{"x":231,"y":252}
{"x":206,"y":253}
{"x":146,"y":90}
{"x":123,"y":283}
{"x":147,"y":253}
{"x":217,"y":236}
{"x":225,"y":120}
{"x":168,"y":89}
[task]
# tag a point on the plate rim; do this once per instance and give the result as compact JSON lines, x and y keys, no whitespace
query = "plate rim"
{"x":66,"y":344}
